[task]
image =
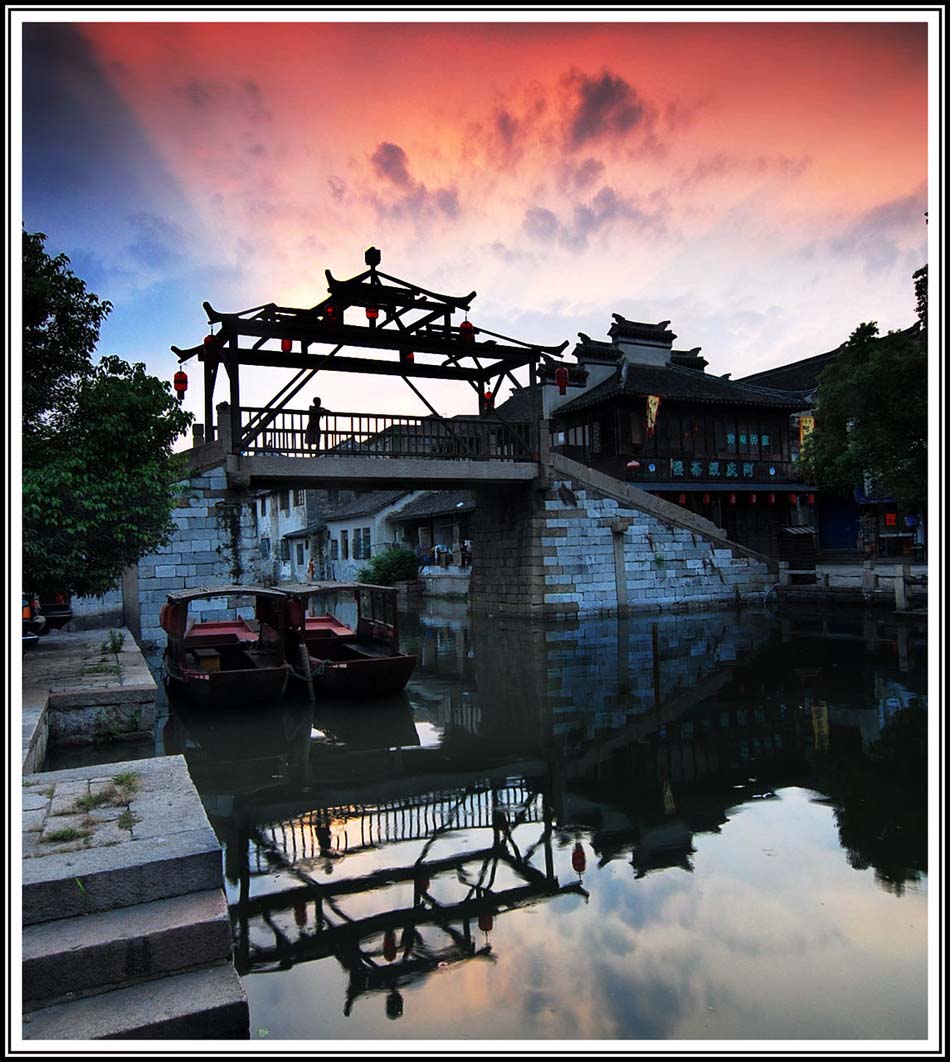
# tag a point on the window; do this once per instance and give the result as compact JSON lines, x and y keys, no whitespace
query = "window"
{"x":263,"y":506}
{"x":265,"y":549}
{"x":300,"y":553}
{"x":300,"y":497}
{"x":334,"y":549}
{"x":285,"y":501}
{"x":345,"y":545}
{"x":361,"y":544}
{"x":285,"y":549}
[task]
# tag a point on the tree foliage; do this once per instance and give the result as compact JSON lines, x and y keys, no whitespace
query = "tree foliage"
{"x":394,"y":565}
{"x":871,"y":414}
{"x":98,"y":469}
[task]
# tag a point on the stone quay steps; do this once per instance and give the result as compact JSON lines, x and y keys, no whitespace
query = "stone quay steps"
{"x":116,"y":948}
{"x":126,"y":928}
{"x":207,"y":1004}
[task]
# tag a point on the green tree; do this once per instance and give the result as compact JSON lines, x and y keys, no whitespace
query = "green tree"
{"x":871,"y":414}
{"x":99,"y":473}
{"x":394,"y":564}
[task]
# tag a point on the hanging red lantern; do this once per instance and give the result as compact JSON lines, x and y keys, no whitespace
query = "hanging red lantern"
{"x":300,"y":912}
{"x":467,"y":331}
{"x":181,"y":384}
{"x":211,"y":338}
{"x":682,"y":499}
{"x":560,"y":378}
{"x":578,"y":859}
{"x":389,"y":945}
{"x":705,"y":499}
{"x":771,"y":499}
{"x":422,"y":884}
{"x":793,"y":499}
{"x":329,"y":312}
{"x":811,"y":499}
{"x":406,"y":357}
{"x":485,"y":922}
{"x":489,"y":400}
{"x":372,"y":312}
{"x":732,"y":499}
{"x":752,"y":499}
{"x":285,"y":345}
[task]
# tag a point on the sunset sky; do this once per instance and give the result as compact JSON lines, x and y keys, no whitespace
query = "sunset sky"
{"x":761,"y":186}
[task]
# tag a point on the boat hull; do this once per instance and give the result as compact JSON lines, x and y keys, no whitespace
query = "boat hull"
{"x":226,"y":689}
{"x":373,"y":677}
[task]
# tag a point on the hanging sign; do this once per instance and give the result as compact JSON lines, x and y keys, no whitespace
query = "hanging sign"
{"x":653,"y":407}
{"x":806,"y":425}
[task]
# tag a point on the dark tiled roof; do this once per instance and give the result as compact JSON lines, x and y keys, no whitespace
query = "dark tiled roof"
{"x":436,"y":503}
{"x":802,"y":375}
{"x":367,"y":504}
{"x":674,"y":382}
{"x":516,"y":407}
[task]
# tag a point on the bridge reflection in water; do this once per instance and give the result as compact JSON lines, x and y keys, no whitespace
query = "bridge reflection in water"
{"x":398,"y":838}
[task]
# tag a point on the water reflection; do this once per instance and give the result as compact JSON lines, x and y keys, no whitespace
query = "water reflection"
{"x":553,"y":808}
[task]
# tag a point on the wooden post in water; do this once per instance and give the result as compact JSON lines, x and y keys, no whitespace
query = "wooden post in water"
{"x":656,"y":666}
{"x":900,"y":587}
{"x":308,"y":675}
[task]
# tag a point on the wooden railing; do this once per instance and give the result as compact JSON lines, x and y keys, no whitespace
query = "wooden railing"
{"x":379,"y":435}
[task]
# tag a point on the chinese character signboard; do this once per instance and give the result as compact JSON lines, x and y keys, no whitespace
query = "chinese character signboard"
{"x":806,"y":425}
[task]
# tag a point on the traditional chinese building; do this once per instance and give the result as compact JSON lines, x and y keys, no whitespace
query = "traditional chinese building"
{"x":653,"y":416}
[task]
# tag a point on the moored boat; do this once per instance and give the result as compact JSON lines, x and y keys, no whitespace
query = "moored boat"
{"x":343,"y":661}
{"x":229,"y":661}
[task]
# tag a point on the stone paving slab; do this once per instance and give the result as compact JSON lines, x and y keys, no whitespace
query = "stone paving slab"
{"x":204,"y":1005}
{"x":80,"y":857}
{"x":116,"y":948}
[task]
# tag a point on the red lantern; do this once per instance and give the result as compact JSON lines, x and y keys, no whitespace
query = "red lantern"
{"x":793,"y":498}
{"x":560,"y":378}
{"x":705,"y":499}
{"x":389,"y":945}
{"x":732,"y":499}
{"x":771,"y":499}
{"x":422,"y":884}
{"x":811,"y":499}
{"x":285,"y":345}
{"x":578,"y":859}
{"x":467,"y":332}
{"x":752,"y":499}
{"x":181,"y":384}
{"x":329,"y":312}
{"x":372,"y":312}
{"x":682,"y":499}
{"x":300,"y":913}
{"x":406,"y":356}
{"x":485,"y":922}
{"x":209,"y":339}
{"x":489,"y":400}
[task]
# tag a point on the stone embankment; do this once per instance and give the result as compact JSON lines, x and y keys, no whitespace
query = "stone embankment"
{"x":84,"y":687}
{"x":126,"y":930}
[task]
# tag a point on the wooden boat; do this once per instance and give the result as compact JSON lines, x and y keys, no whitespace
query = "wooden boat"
{"x":229,"y":661}
{"x":343,"y":662}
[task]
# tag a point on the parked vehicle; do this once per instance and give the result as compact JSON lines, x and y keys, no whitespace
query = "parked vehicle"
{"x":341,"y":661}
{"x":226,"y":662}
{"x":33,"y":622}
{"x":56,"y":607}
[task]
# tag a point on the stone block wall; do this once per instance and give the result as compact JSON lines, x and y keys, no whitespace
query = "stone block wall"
{"x":584,"y":544}
{"x":214,"y":544}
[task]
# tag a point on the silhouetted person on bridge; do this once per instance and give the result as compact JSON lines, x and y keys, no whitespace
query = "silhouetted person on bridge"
{"x":316,"y":411}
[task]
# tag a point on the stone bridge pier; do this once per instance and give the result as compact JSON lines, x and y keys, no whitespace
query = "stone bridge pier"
{"x":577,"y":542}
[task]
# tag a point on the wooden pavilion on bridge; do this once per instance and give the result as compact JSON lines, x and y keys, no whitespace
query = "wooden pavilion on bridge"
{"x":395,"y":317}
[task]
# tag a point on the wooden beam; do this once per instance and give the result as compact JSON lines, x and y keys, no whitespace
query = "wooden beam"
{"x":274,"y":359}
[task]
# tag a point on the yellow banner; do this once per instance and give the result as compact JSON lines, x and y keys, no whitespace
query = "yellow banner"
{"x":806,"y":425}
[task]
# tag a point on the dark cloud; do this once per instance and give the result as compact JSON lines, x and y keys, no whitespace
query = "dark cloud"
{"x":601,"y":213}
{"x":541,"y":224}
{"x":447,"y":200}
{"x":337,"y":188}
{"x":390,"y":161}
{"x":587,"y":173}
{"x":881,"y":235}
{"x":243,"y":98}
{"x":508,"y":130}
{"x":605,"y":107}
{"x":720,"y":165}
{"x":156,"y":241}
{"x":511,"y":254}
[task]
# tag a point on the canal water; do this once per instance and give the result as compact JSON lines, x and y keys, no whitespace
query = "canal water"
{"x":690,"y":827}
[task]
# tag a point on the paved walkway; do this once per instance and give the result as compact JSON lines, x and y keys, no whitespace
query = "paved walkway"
{"x":78,"y":688}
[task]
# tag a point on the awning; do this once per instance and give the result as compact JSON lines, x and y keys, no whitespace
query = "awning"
{"x":720,"y":487}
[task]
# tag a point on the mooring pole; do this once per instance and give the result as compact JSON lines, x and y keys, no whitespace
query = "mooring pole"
{"x":308,"y":674}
